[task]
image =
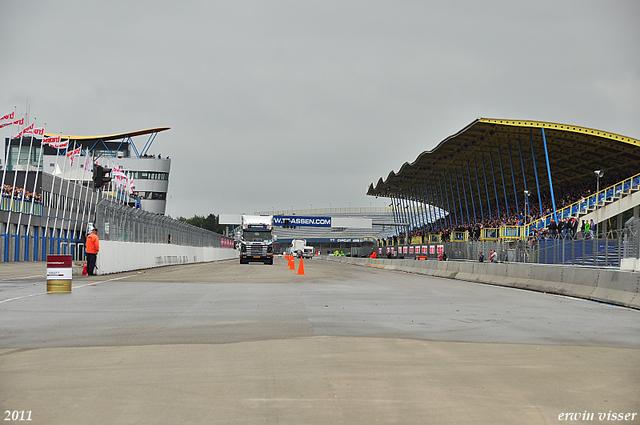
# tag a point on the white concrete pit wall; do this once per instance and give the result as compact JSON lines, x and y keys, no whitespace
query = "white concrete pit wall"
{"x":116,"y":257}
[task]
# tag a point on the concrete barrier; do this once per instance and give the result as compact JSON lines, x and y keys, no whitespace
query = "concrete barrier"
{"x":617,"y":286}
{"x":545,"y":278}
{"x":116,"y":257}
{"x":466,"y":271}
{"x":630,"y":264}
{"x":578,"y":281}
{"x":519,"y":275}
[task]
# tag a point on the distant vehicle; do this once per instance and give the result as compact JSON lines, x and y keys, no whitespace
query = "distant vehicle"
{"x":299,"y":248}
{"x":256,"y":240}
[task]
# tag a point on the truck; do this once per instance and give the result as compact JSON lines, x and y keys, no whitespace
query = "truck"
{"x":299,"y":248}
{"x":257,"y":243}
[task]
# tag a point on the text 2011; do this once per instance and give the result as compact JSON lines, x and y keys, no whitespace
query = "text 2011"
{"x":17,"y":415}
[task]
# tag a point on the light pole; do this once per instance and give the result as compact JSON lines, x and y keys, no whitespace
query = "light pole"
{"x":527,"y":193}
{"x":599,"y":174}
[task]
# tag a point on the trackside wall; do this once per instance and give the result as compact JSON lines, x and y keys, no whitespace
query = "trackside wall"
{"x":604,"y":285}
{"x":116,"y":257}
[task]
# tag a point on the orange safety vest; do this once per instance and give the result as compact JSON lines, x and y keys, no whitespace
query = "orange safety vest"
{"x":93,"y":244}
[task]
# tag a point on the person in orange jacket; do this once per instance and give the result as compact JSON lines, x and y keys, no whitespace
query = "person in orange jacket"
{"x":373,"y":254}
{"x":92,"y":246}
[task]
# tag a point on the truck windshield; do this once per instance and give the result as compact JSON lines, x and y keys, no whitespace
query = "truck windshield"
{"x":253,"y":236}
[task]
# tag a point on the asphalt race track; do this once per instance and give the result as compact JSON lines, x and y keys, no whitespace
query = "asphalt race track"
{"x":254,"y":344}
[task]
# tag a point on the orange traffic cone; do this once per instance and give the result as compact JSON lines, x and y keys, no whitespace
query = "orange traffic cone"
{"x":292,"y":264}
{"x":301,"y":267}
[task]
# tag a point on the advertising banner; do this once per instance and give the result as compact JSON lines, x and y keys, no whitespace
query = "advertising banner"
{"x":296,"y":220}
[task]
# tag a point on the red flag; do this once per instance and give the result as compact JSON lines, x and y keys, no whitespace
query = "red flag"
{"x":17,"y":122}
{"x":55,"y":142}
{"x":74,"y":153}
{"x":8,"y":117}
{"x":38,"y":133}
{"x":28,"y":131}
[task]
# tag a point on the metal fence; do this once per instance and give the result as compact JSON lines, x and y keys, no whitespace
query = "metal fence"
{"x":632,"y":238}
{"x":117,"y":222}
{"x":604,"y":250}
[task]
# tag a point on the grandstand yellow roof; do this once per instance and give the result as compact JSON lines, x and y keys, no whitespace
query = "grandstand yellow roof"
{"x":110,"y":136}
{"x":574,"y":153}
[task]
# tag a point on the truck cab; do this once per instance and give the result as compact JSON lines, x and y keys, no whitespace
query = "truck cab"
{"x":257,"y":243}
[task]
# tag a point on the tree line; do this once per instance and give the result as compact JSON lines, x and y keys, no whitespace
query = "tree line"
{"x":209,"y":223}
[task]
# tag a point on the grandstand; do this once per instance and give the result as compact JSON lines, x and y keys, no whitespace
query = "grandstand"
{"x":514,"y":180}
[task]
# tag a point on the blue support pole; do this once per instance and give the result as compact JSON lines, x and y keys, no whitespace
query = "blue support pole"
{"x":16,"y":254}
{"x":423,"y":207}
{"x":442,"y":197}
{"x":436,"y":204}
{"x":407,"y":217}
{"x":546,"y":155}
{"x":407,"y":209}
{"x":524,"y":178}
{"x":486,"y":187}
{"x":433,"y":205}
{"x":495,"y":186}
{"x":6,"y":244}
{"x":513,"y":178}
{"x":402,"y":212}
{"x":464,"y":189}
{"x":446,"y":191}
{"x":475,"y":166}
{"x":504,"y":186}
{"x":442,"y":221}
{"x":473,"y":202}
{"x":410,"y":218}
{"x":393,"y":211}
{"x":35,"y":244}
{"x":459,"y":197}
{"x":453,"y":197}
{"x":535,"y":169}
{"x":421,"y":201}
{"x":427,"y":202}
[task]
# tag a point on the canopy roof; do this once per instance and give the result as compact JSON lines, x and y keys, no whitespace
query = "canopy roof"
{"x":574,"y":153}
{"x":110,"y":136}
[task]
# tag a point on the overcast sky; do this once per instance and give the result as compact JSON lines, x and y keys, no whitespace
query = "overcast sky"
{"x":292,"y":103}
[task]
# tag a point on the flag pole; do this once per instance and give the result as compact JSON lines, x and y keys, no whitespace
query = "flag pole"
{"x":90,"y":205}
{"x":4,"y":174}
{"x":66,"y":194}
{"x":15,"y":174}
{"x":64,"y":169}
{"x":35,"y":180}
{"x":80,"y":204}
{"x":25,"y":184}
{"x":53,"y":180}
{"x":8,"y":148}
{"x":73,"y":197}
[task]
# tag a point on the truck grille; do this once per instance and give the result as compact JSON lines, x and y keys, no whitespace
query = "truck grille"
{"x":257,"y":250}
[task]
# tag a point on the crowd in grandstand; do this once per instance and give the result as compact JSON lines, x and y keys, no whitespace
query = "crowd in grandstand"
{"x":9,"y":191}
{"x":564,"y":228}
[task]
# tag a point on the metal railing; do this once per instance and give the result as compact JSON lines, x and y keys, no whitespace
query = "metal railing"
{"x":604,"y":250}
{"x":590,"y":203}
{"x":117,"y":222}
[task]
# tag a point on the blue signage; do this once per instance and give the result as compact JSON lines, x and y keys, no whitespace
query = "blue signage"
{"x":296,"y":220}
